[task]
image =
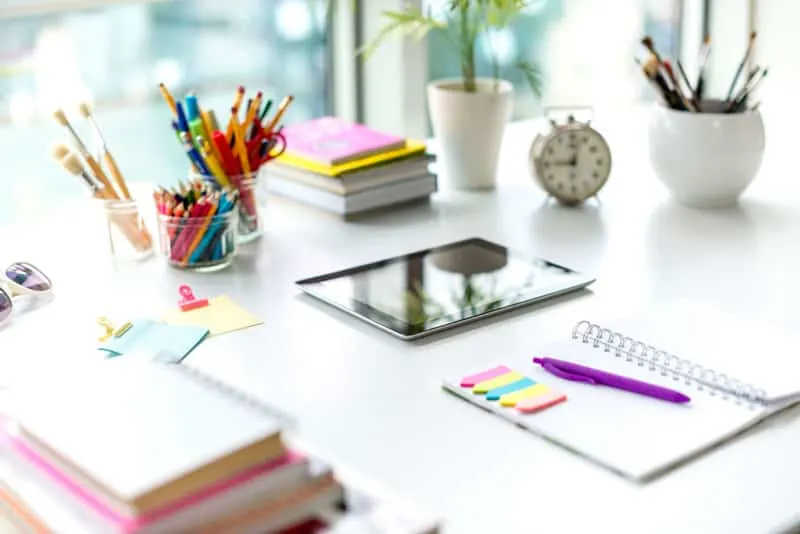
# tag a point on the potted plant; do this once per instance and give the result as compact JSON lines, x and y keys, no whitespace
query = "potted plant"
{"x":468,"y":114}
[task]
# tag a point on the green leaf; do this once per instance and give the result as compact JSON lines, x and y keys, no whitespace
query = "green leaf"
{"x":532,"y":74}
{"x":411,"y":22}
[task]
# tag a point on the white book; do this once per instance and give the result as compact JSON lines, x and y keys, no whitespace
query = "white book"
{"x":144,"y":433}
{"x":369,"y":199}
{"x":735,"y":371}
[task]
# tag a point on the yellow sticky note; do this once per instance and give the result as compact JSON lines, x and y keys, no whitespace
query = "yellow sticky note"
{"x":497,"y":382}
{"x":511,"y":399}
{"x":220,"y":316}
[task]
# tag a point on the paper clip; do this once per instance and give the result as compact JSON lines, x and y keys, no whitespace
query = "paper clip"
{"x":110,"y":330}
{"x":188,"y":300}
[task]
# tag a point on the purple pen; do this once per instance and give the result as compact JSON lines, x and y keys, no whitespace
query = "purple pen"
{"x":579,"y":373}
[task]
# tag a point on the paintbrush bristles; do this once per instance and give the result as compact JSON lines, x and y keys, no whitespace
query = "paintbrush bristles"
{"x":84,"y":109}
{"x":71,"y":162}
{"x":60,"y":117}
{"x":59,"y":151}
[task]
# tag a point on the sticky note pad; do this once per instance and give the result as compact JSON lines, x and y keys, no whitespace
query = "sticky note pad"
{"x":222,"y":315}
{"x":472,"y":380}
{"x":170,"y":342}
{"x":496,"y":382}
{"x":540,"y":402}
{"x":496,"y":393}
{"x":511,"y":399}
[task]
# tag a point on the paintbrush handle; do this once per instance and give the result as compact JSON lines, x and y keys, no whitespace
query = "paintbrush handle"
{"x":101,"y":177}
{"x":116,"y":174}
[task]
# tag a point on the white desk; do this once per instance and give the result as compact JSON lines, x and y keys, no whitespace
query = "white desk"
{"x":375,"y":402}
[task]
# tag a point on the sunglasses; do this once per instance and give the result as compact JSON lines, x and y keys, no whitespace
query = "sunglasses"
{"x":20,"y":279}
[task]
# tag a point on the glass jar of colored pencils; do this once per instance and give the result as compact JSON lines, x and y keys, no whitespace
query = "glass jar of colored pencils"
{"x":128,"y":236}
{"x":203,"y":241}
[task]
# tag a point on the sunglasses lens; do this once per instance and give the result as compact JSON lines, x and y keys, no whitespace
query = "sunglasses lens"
{"x":5,"y":306}
{"x":28,"y":277}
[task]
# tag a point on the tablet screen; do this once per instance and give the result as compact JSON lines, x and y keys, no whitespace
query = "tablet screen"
{"x":433,"y":288}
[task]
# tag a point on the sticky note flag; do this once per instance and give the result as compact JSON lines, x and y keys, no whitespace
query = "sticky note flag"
{"x":511,"y":399}
{"x":163,"y":341}
{"x":496,"y":393}
{"x":540,"y":402}
{"x":222,"y":315}
{"x":471,"y":380}
{"x":496,"y":382}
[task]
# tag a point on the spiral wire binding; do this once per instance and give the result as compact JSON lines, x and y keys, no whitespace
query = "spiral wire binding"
{"x":668,"y":364}
{"x":287,"y":422}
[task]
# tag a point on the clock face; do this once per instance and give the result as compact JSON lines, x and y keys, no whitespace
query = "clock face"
{"x":574,"y":164}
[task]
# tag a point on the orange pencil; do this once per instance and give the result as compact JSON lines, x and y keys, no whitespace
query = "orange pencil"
{"x":252,"y":112}
{"x":169,"y":98}
{"x":201,"y":232}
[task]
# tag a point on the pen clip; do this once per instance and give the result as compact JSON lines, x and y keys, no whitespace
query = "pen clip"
{"x":573,"y":377}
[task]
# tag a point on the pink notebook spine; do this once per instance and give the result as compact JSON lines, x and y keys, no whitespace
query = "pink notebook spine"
{"x":128,"y":524}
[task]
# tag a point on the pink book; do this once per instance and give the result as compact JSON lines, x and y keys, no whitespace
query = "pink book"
{"x":333,"y":141}
{"x":209,"y":504}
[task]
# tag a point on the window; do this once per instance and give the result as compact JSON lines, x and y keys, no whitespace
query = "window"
{"x":55,"y":55}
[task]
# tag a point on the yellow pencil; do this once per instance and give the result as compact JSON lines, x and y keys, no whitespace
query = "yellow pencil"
{"x":278,"y":114}
{"x":252,"y":112}
{"x":237,"y":102}
{"x":169,"y":98}
{"x":241,"y":147}
{"x":212,"y":162}
{"x":209,"y":129}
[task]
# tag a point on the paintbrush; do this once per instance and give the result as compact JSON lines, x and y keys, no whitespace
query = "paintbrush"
{"x":741,"y":97}
{"x":69,"y":160}
{"x":653,"y":73}
{"x":61,"y":118}
{"x":687,"y":103}
{"x":705,"y":52}
{"x":744,"y":61}
{"x":119,"y":180}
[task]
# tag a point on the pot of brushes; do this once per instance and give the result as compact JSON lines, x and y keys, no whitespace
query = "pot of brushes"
{"x":706,"y":150}
{"x":468,"y":114}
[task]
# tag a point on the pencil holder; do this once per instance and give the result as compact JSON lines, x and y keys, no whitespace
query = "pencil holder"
{"x":706,"y":159}
{"x":249,"y":225}
{"x":201,"y":244}
{"x":128,"y":237}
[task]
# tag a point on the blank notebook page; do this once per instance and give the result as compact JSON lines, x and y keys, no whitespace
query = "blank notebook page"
{"x":639,"y":436}
{"x":134,"y":426}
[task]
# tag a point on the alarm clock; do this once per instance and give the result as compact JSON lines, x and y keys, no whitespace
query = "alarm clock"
{"x":571,"y":161}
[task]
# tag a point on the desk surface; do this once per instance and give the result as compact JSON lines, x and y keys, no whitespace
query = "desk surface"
{"x":375,"y":402}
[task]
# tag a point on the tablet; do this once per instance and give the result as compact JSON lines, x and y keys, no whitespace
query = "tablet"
{"x":435,"y":289}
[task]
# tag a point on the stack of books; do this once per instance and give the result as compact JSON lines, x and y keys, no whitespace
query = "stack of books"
{"x":349,"y":169}
{"x":151,"y":447}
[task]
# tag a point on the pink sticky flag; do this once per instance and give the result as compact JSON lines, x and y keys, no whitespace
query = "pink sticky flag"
{"x":540,"y":402}
{"x":470,"y":381}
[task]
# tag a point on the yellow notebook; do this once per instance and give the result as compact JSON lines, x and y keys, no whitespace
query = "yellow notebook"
{"x":412,"y":148}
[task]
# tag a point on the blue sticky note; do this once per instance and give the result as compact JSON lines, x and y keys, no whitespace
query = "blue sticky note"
{"x":167,"y":342}
{"x":496,"y":393}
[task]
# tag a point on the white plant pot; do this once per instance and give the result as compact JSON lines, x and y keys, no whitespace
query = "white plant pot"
{"x":706,"y":160}
{"x":469,"y":130}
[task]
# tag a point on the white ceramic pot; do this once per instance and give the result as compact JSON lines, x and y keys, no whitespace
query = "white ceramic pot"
{"x":706,"y":160}
{"x":469,"y":130}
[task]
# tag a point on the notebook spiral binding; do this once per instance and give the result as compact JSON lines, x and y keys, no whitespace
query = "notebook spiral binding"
{"x":287,"y":422}
{"x":668,"y":364}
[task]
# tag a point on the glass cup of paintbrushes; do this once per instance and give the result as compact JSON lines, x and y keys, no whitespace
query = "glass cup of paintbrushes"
{"x":127,"y":234}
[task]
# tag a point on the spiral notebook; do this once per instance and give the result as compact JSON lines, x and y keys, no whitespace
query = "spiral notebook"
{"x":736,"y":372}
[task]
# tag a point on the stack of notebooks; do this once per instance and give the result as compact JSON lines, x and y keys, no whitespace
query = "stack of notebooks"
{"x":158,"y":448}
{"x":349,"y":169}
